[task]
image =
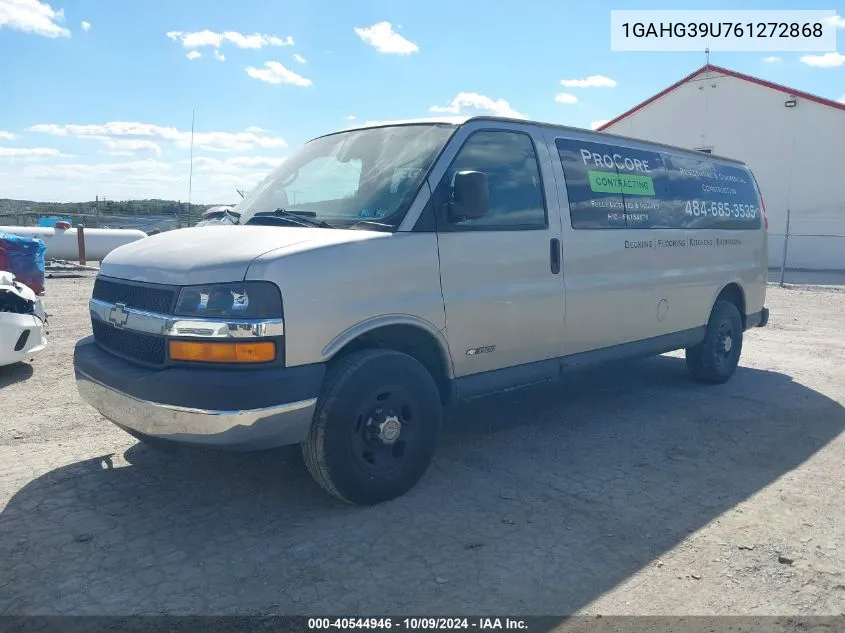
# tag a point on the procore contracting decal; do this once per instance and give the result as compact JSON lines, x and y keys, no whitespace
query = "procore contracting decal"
{"x":612,"y":187}
{"x":611,"y":182}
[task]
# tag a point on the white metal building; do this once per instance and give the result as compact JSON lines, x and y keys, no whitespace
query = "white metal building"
{"x":794,"y":143}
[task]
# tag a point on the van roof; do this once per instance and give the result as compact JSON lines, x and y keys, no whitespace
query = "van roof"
{"x":461,"y":120}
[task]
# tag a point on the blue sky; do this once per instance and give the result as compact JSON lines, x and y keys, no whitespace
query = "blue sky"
{"x":97,"y":94}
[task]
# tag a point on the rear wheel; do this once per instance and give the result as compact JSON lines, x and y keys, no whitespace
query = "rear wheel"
{"x":375,"y":428}
{"x":714,"y":360}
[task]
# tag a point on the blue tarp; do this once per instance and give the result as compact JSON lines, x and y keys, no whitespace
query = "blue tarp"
{"x":51,"y":222}
{"x":24,"y":258}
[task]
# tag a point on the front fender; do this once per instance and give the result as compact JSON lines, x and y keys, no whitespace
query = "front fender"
{"x":374,"y":323}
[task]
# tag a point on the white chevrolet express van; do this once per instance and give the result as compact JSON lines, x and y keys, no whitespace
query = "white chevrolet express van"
{"x":383,"y":272}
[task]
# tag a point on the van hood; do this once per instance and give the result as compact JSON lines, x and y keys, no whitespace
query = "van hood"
{"x":213,"y":254}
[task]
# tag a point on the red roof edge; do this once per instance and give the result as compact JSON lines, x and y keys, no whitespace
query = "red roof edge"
{"x":730,"y":73}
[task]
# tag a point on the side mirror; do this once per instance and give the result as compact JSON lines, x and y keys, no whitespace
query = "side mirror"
{"x":470,"y":196}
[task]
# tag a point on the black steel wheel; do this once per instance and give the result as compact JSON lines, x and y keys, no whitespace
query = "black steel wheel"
{"x":715,"y":359}
{"x":376,"y":427}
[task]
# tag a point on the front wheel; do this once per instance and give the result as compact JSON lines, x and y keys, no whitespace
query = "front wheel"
{"x":714,"y":360}
{"x":376,"y":427}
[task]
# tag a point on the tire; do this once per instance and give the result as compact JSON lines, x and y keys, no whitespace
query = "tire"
{"x":375,"y":428}
{"x":714,"y":360}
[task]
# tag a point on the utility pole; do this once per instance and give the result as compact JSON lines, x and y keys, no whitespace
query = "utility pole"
{"x":191,"y":173}
{"x":97,"y":211}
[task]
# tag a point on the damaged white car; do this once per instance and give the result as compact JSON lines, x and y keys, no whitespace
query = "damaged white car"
{"x":22,"y":321}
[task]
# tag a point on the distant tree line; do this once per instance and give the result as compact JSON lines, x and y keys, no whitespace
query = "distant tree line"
{"x":27,"y":212}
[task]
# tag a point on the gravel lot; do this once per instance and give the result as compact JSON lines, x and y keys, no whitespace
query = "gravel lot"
{"x":622,"y":490}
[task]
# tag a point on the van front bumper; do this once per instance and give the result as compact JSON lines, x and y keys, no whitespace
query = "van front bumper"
{"x":250,"y":409}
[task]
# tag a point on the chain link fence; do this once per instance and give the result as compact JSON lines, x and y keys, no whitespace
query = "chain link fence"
{"x":134,"y":214}
{"x":806,"y":248}
{"x":146,"y":222}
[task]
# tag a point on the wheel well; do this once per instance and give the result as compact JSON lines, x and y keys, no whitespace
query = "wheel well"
{"x":733,"y":293}
{"x":414,"y":342}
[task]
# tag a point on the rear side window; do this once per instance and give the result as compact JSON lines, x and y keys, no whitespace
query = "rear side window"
{"x":707,"y":195}
{"x":612,"y":186}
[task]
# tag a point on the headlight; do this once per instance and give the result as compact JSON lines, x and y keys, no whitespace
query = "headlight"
{"x":243,"y":300}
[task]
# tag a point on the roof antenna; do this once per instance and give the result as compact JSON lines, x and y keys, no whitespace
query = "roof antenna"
{"x":707,"y":56}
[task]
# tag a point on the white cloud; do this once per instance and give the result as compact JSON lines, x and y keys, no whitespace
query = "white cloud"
{"x":15,"y":152}
{"x":299,"y":58}
{"x":384,"y":39}
{"x":138,"y":171}
{"x":192,"y":55}
{"x":220,"y":57}
{"x":6,"y":136}
{"x":257,"y":130}
{"x":208,"y":164}
{"x":836,"y":20}
{"x":256,"y":40}
{"x":593,"y":81}
{"x":32,"y":16}
{"x":128,"y":146}
{"x":214,"y":181}
{"x":479,"y":102}
{"x":597,"y":124}
{"x":351,"y":117}
{"x":198,"y":39}
{"x":255,"y":161}
{"x":230,"y":141}
{"x":121,"y":153}
{"x":86,"y":26}
{"x":276,"y":73}
{"x":828,"y":60}
{"x":565,"y":97}
{"x":213,"y":141}
{"x":842,"y":99}
{"x":772,"y":59}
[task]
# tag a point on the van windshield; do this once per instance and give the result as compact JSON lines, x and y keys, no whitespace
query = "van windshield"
{"x":357,"y":179}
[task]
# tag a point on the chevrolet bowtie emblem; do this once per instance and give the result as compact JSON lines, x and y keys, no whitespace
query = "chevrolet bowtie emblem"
{"x":118,"y":316}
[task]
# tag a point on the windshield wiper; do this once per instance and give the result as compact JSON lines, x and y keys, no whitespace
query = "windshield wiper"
{"x":289,"y":216}
{"x":369,"y":224}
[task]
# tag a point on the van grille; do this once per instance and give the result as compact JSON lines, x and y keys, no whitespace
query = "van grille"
{"x":137,"y":346}
{"x":150,"y":298}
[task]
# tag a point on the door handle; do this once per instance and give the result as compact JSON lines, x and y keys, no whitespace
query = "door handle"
{"x":554,"y":255}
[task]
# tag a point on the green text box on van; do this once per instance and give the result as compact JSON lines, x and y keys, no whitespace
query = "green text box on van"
{"x":606,"y":182}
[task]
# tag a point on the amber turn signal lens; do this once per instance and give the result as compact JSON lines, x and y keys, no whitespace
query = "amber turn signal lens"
{"x":202,"y":352}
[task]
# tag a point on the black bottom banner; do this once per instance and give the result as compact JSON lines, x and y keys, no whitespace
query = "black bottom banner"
{"x":527,"y":624}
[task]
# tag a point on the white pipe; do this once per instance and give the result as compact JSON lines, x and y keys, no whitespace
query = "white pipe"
{"x":63,"y":244}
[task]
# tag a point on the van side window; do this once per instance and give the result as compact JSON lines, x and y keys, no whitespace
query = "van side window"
{"x":612,"y":187}
{"x":593,"y":204}
{"x":704,"y":194}
{"x":509,"y":161}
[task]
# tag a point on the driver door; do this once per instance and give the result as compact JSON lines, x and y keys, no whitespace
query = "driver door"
{"x":500,"y":273}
